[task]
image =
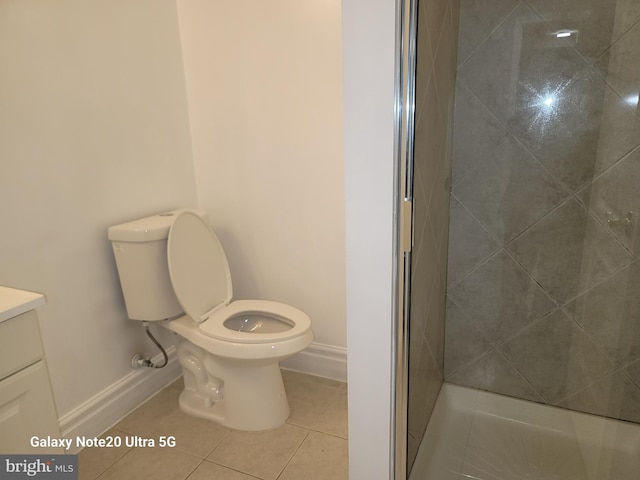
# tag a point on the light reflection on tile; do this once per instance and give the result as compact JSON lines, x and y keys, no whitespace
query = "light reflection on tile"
{"x":597,"y":23}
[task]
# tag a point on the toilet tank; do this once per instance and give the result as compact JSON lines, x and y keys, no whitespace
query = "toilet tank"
{"x":140,"y":250}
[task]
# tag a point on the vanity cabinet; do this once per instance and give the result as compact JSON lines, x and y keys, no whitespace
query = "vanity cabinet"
{"x":27,"y":407}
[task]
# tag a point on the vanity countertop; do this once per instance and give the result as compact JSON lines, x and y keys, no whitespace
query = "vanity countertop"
{"x":13,"y":302}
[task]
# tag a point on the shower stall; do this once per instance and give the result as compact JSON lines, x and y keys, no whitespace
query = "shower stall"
{"x":523,"y":319}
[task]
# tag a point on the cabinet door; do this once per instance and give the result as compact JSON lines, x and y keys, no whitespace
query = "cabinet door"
{"x":27,"y":410}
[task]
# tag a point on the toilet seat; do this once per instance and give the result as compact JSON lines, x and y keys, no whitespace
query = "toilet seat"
{"x":214,"y":327}
{"x":198,"y":267}
{"x":201,"y":280}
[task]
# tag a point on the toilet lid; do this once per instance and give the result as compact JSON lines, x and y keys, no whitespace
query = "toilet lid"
{"x":198,"y":267}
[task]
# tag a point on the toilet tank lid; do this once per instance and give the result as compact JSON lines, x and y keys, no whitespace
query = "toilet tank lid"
{"x":148,"y":229}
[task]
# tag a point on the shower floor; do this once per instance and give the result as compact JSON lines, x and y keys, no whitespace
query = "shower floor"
{"x":483,"y":436}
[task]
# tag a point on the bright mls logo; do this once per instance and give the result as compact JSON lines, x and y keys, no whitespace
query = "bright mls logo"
{"x":50,"y":467}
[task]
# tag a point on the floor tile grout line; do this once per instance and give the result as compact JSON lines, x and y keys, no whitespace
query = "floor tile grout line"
{"x":194,"y":468}
{"x":219,"y":442}
{"x":118,"y":458}
{"x":228,"y":468}
{"x":294,"y":454}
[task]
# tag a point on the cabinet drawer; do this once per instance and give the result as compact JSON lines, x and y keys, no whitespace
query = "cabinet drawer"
{"x":26,"y":410}
{"x":20,"y":344}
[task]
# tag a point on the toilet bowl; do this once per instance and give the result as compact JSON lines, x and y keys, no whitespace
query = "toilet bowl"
{"x":229,"y":350}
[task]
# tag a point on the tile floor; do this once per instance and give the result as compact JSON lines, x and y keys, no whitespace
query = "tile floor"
{"x":311,"y":445}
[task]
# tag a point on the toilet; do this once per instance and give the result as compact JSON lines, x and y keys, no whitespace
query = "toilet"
{"x":173,"y":271}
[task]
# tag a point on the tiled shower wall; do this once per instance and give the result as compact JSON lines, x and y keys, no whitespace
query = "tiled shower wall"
{"x":543,"y":295}
{"x":436,"y":68}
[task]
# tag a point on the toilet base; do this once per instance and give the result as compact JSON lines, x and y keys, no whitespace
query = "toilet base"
{"x":243,"y":395}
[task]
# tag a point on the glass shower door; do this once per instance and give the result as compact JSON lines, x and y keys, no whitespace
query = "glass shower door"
{"x":542,"y":262}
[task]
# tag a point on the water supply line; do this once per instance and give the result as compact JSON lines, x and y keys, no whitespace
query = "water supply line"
{"x":139,"y":360}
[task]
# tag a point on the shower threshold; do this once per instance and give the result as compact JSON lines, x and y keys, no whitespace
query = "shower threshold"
{"x":484,"y":436}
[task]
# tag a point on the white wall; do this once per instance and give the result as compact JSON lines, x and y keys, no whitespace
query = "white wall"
{"x":265,"y":100}
{"x":93,"y":131}
{"x":368,"y":46}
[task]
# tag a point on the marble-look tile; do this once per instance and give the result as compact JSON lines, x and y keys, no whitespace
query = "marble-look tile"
{"x":620,"y":65}
{"x":463,"y":341}
{"x":416,"y":343}
{"x":567,"y":252}
{"x":321,"y":457}
{"x":556,"y":357}
{"x":420,"y":215}
{"x":633,"y":371}
{"x":493,"y":373}
{"x":262,"y":454}
{"x":544,"y":92}
{"x":156,"y":463}
{"x":585,"y":128}
{"x":617,"y":191}
{"x":469,"y":243}
{"x":493,"y":71}
{"x":445,"y":64}
{"x":424,"y":268}
{"x":424,"y":63}
{"x":477,"y":19}
{"x":434,"y":15}
{"x":609,"y":313}
{"x":435,"y":328}
{"x":477,"y":134}
{"x":596,"y":23}
{"x":619,"y":131}
{"x":429,"y":136}
{"x":613,"y":396}
{"x":308,"y":396}
{"x":558,"y":115}
{"x":412,"y":451}
{"x":425,"y":382}
{"x":439,"y":203}
{"x":510,"y":191}
{"x":455,"y":16}
{"x":500,"y":298}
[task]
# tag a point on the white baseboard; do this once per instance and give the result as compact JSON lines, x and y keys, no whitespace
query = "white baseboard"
{"x":320,"y":360}
{"x":108,"y":407}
